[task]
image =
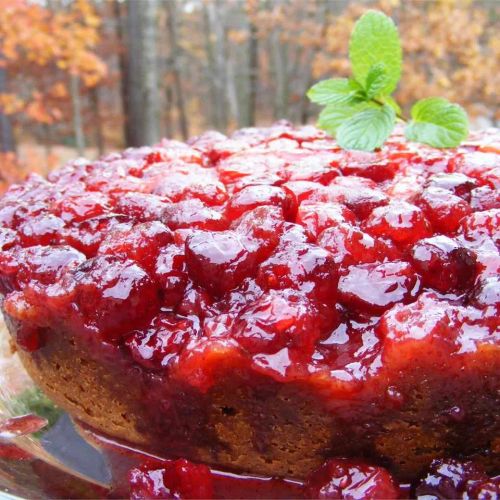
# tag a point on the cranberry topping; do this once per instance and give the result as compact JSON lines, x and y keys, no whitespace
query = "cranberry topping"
{"x":108,"y":292}
{"x":81,"y":206}
{"x":344,"y":479}
{"x":316,"y":217}
{"x":170,"y":271}
{"x":302,"y":266}
{"x":159,"y":344}
{"x":87,"y":235}
{"x":278,"y":319}
{"x":219,"y":261}
{"x":376,"y":287}
{"x":193,"y":214}
{"x":141,"y":206}
{"x":350,"y":245}
{"x":142,"y":243}
{"x":271,"y":242}
{"x":453,"y":479}
{"x":403,"y":222}
{"x":443,"y":209}
{"x":444,"y":264}
{"x":179,"y":479}
{"x":459,"y":184}
{"x":251,"y":197}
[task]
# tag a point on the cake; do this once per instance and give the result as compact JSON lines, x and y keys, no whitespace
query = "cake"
{"x":266,"y":303}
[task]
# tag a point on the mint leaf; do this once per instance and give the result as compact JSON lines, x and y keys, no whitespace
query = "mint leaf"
{"x":438,"y":123}
{"x":335,"y":91}
{"x":334,"y":115}
{"x":376,"y":80}
{"x":390,"y":101}
{"x":375,"y":40}
{"x":367,"y":130}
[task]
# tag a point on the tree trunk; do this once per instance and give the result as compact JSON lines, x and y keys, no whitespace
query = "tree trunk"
{"x":143,"y":120}
{"x":217,"y":56}
{"x":76,"y":102}
{"x":123,"y":66}
{"x":7,"y":143}
{"x":323,"y":9}
{"x":96,"y":112}
{"x":176,"y":75}
{"x":253,"y":65}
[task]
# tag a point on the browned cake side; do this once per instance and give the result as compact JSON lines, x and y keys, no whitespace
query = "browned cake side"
{"x":261,"y":426}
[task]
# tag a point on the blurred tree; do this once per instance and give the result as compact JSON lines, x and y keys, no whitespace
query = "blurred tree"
{"x":143,"y":119}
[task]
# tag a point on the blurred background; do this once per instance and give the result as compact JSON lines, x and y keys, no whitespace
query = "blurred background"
{"x":88,"y":76}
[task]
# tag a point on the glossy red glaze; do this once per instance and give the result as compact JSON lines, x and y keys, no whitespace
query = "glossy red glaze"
{"x":270,"y":252}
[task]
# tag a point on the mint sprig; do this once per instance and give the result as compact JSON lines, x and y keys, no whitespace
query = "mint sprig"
{"x":361,"y":112}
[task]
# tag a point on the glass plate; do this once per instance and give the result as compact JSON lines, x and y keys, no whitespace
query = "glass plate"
{"x":54,"y":462}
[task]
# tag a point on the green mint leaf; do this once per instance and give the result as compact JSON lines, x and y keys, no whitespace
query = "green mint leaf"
{"x":334,"y":115}
{"x":335,"y":91}
{"x":376,"y":80}
{"x":375,"y":40}
{"x":367,"y":130}
{"x":438,"y":123}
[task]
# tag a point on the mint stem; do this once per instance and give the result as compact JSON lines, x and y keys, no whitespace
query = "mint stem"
{"x":399,"y":116}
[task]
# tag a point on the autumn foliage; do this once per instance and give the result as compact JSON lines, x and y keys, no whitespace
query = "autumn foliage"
{"x":66,"y":67}
{"x":39,"y":47}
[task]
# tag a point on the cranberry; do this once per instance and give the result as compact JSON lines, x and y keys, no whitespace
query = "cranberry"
{"x":87,"y":235}
{"x":376,"y":287}
{"x":195,"y":302}
{"x":316,"y":216}
{"x":301,"y":266}
{"x":443,"y":209}
{"x":8,"y":239}
{"x":242,"y":166}
{"x":475,"y":164}
{"x":400,"y":221}
{"x":308,"y":191}
{"x":261,"y":228}
{"x":157,"y":345}
{"x":444,"y":264}
{"x":481,"y":225}
{"x":349,"y":245}
{"x":345,"y":479}
{"x":113,"y":295}
{"x":251,"y":197}
{"x":361,"y":197}
{"x":319,"y":167}
{"x":170,"y":271}
{"x":453,"y":479}
{"x":193,"y":214}
{"x":426,"y":331}
{"x":41,"y":264}
{"x":141,"y":206}
{"x":81,"y":206}
{"x":43,"y":229}
{"x":376,"y":166}
{"x":177,"y":479}
{"x":484,"y":198}
{"x":459,"y":184}
{"x":278,"y":319}
{"x":234,"y":301}
{"x":197,"y":184}
{"x":141,"y":243}
{"x":219,"y":261}
{"x":487,"y":293}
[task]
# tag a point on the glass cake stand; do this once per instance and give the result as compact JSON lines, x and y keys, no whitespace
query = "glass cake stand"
{"x":41,"y":453}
